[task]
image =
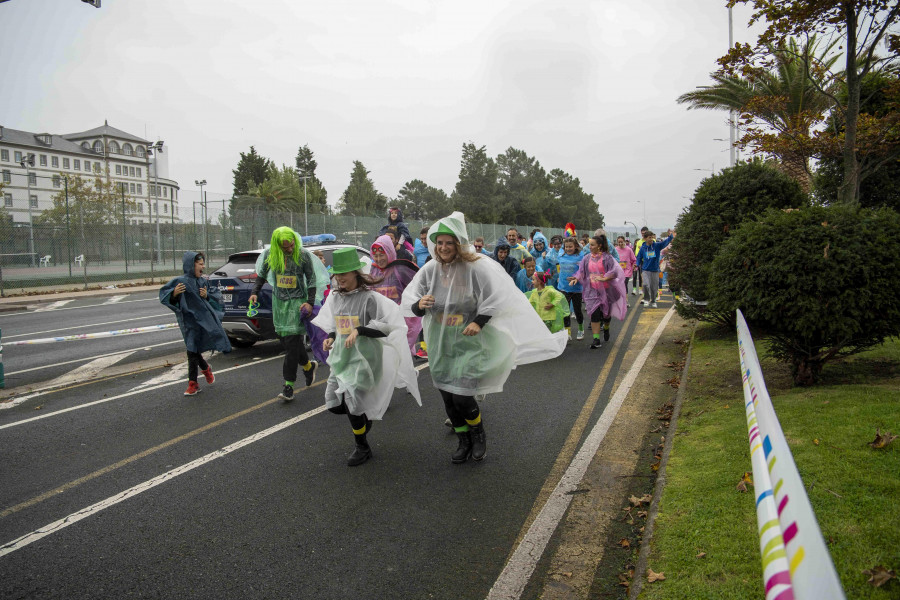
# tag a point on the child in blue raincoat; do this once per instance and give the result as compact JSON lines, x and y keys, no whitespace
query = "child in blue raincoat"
{"x":199,"y":311}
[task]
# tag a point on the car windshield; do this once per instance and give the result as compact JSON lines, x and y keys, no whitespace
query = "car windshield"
{"x":240,"y":265}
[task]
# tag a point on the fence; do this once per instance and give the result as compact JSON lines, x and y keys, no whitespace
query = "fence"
{"x":795,"y":560}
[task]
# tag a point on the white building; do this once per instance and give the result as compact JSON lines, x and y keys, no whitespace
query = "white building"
{"x":123,"y":158}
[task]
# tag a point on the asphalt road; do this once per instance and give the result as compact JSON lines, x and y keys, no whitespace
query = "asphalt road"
{"x":122,"y":487}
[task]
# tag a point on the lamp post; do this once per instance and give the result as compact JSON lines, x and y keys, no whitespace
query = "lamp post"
{"x":26,"y":162}
{"x":201,"y":183}
{"x":635,"y":228}
{"x":158,"y":147}
{"x":305,"y":209}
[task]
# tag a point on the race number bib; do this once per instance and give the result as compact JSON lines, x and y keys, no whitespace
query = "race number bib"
{"x":345,"y":324}
{"x":388,"y":292}
{"x":286,"y":281}
{"x":623,"y":264}
{"x":651,"y":253}
{"x":450,"y":320}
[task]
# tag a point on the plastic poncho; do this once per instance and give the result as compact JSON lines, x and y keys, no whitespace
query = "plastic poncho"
{"x":200,"y":319}
{"x":568,"y":266}
{"x":553,"y":316}
{"x":517,"y":251}
{"x":540,"y":255}
{"x":421,"y":253}
{"x":515,"y":335}
{"x":608,"y":295}
{"x":523,"y":280}
{"x":366,"y":374}
{"x":509,"y":264}
{"x":395,"y":277}
{"x":551,"y":266}
{"x":295,"y":277}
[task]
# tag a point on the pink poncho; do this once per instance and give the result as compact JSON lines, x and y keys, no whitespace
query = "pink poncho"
{"x":608,"y":295}
{"x":396,"y":276}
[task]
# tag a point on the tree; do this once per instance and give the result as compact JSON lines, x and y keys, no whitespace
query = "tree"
{"x":316,"y":195}
{"x":568,"y":202}
{"x":95,"y":200}
{"x":476,"y":192}
{"x":798,"y":275}
{"x":251,"y":170}
{"x":523,"y":188}
{"x":361,"y":197}
{"x":422,"y":202}
{"x":783,"y":98}
{"x":862,"y":25}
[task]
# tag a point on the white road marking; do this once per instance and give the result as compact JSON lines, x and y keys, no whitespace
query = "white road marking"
{"x":53,"y":306}
{"x":86,"y":358}
{"x":175,"y":373}
{"x":518,"y":570}
{"x":116,"y":299}
{"x":169,"y":314}
{"x":84,"y":372}
{"x":61,"y":524}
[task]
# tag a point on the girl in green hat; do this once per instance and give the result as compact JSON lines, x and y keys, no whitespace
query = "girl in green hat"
{"x":369,"y":355}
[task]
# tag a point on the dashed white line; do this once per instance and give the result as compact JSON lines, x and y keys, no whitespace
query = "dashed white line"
{"x":53,"y":305}
{"x":115,"y":299}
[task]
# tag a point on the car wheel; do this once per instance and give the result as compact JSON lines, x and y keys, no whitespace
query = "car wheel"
{"x":241,"y":343}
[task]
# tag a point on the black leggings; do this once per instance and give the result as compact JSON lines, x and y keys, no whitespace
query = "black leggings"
{"x":357,"y":422}
{"x":575,"y":299}
{"x":460,"y":408}
{"x":638,"y":280}
{"x":294,"y":354}
{"x":598,"y":317}
{"x":195,"y":360}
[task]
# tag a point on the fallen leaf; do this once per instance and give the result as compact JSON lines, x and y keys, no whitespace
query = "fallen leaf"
{"x":642,"y":514}
{"x":625,"y":543}
{"x":39,"y":407}
{"x":741,"y":487}
{"x":880,"y":575}
{"x":816,"y":441}
{"x":651,"y":576}
{"x":623,"y":580}
{"x":726,"y":406}
{"x":882,"y":440}
{"x":828,"y":245}
{"x":746,"y":477}
{"x":645,"y":499}
{"x":701,"y":555}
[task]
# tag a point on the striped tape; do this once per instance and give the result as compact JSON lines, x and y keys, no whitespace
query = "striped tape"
{"x":94,"y":336}
{"x":795,"y":560}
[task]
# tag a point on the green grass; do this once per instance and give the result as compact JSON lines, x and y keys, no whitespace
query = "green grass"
{"x":853,"y":489}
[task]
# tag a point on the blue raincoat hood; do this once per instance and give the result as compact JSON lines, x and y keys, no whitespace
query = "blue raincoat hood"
{"x":200,"y":319}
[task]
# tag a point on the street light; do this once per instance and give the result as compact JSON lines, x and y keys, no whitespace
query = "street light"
{"x":158,"y":146}
{"x":305,"y":210}
{"x":635,"y":228}
{"x":26,"y":162}
{"x":201,"y":183}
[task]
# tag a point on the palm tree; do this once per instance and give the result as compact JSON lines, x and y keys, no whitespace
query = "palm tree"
{"x":789,"y":98}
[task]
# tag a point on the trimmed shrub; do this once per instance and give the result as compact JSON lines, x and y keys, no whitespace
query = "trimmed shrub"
{"x":720,"y":205}
{"x":818,"y":281}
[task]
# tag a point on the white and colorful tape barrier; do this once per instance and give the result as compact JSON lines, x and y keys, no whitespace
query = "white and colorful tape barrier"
{"x":94,"y":336}
{"x":796,"y":563}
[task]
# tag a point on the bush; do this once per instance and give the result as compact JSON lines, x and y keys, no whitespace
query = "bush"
{"x":720,"y":204}
{"x":818,"y":281}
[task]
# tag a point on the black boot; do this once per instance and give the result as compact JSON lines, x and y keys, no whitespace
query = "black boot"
{"x":361,"y":453}
{"x":463,"y":450}
{"x":479,"y":441}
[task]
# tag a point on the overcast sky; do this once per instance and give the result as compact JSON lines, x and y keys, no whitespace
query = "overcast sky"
{"x":585,"y":86}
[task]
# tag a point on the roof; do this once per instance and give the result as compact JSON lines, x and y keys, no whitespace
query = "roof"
{"x":105,"y":130}
{"x":58,"y":142}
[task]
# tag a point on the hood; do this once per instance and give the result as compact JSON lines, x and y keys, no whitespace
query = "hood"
{"x":539,"y":237}
{"x":399,"y":218}
{"x":456,"y":222}
{"x":187,"y":262}
{"x":501,"y":243}
{"x":384,"y":242}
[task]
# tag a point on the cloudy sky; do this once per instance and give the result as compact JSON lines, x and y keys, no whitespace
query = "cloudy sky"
{"x":585,"y":86}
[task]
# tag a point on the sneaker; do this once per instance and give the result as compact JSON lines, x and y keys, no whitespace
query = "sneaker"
{"x":605,"y":334}
{"x":311,"y":374}
{"x":192,"y":389}
{"x":210,"y":378}
{"x":645,"y":303}
{"x":421,"y":354}
{"x":634,"y":292}
{"x":580,"y":335}
{"x":287,"y":394}
{"x":653,"y":305}
{"x":448,"y":423}
{"x":596,"y":344}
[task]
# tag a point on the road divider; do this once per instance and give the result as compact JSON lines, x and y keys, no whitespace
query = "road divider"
{"x":94,"y":336}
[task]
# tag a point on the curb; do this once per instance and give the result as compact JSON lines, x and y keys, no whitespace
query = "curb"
{"x":640,"y":568}
{"x":19,"y":302}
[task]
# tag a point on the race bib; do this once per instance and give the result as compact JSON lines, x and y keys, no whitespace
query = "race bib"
{"x":651,"y":254}
{"x":286,"y":281}
{"x":388,"y":292}
{"x":450,"y":320}
{"x":623,"y":264}
{"x":345,"y":324}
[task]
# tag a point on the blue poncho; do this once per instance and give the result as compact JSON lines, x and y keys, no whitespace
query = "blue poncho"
{"x":200,"y":319}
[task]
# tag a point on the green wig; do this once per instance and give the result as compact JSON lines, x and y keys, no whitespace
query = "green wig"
{"x":276,"y":254}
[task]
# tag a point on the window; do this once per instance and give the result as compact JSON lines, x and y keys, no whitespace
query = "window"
{"x":43,"y":160}
{"x":139,"y":190}
{"x":6,"y":177}
{"x":118,"y":169}
{"x":126,"y":149}
{"x":96,"y":167}
{"x":139,"y":151}
{"x":7,"y":200}
{"x":77,"y":165}
{"x":56,"y":181}
{"x":114,"y":147}
{"x":165,"y":208}
{"x":32,"y":179}
{"x":65,"y":163}
{"x":34,"y":201}
{"x":4,"y":155}
{"x":98,"y":147}
{"x":132,"y":188}
{"x":54,"y":162}
{"x":18,"y":156}
{"x":131,"y":171}
{"x":138,"y":172}
{"x":140,"y":206}
{"x":165,"y":192}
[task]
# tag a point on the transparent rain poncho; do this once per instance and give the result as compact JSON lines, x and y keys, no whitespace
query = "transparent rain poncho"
{"x":366,"y":374}
{"x":559,"y":308}
{"x":515,"y":335}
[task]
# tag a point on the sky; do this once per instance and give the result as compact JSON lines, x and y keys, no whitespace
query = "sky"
{"x":588,"y":87}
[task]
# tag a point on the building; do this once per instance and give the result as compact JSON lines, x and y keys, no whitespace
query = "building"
{"x":123,"y":158}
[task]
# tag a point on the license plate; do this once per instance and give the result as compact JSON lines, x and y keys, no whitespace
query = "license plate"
{"x":226,"y":297}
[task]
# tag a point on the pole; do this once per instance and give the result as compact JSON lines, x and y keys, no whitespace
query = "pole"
{"x":172,"y":206}
{"x":156,"y":202}
{"x":206,"y":224}
{"x":83,"y":241}
{"x":124,"y":228}
{"x":305,"y":210}
{"x":68,"y":235}
{"x":731,"y":120}
{"x":30,"y":222}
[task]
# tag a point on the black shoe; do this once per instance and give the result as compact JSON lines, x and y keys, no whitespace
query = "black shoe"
{"x":464,"y":449}
{"x":606,"y":334}
{"x":479,"y":441}
{"x":361,"y":454}
{"x":449,"y":423}
{"x":311,"y":374}
{"x":287,"y":394}
{"x":595,"y":344}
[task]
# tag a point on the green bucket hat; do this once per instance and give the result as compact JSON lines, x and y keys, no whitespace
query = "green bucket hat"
{"x":345,"y":260}
{"x":441,"y":230}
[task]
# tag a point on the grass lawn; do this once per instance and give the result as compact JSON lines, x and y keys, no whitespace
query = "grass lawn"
{"x":854,"y":489}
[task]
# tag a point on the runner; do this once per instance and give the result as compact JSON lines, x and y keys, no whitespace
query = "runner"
{"x":627,"y":260}
{"x":568,"y":266}
{"x":393,"y":275}
{"x":648,"y":258}
{"x":604,"y":288}
{"x":549,"y":303}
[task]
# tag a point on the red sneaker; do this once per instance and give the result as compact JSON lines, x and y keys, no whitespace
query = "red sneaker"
{"x":421,"y":353}
{"x":209,"y":375}
{"x":192,"y":389}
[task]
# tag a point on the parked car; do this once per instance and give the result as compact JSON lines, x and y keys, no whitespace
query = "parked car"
{"x":236,"y":278}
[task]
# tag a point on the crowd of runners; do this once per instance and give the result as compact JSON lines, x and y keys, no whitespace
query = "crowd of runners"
{"x":440,"y":297}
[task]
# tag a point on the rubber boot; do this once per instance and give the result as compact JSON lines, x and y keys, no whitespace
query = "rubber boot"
{"x":463,"y":450}
{"x":361,"y":453}
{"x":479,"y":441}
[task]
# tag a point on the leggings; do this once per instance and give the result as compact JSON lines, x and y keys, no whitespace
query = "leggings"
{"x":638,"y":281}
{"x":195,"y":360}
{"x":460,"y":408}
{"x":294,"y":354}
{"x":575,"y":299}
{"x":357,"y":422}
{"x":598,"y":317}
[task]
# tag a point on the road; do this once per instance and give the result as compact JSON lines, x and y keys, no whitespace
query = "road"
{"x":119,"y":486}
